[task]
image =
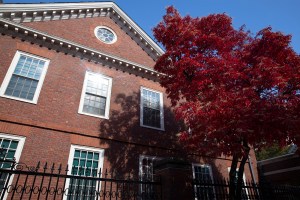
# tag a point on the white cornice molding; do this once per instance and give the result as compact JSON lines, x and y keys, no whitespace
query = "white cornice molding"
{"x":59,"y":11}
{"x":69,"y":47}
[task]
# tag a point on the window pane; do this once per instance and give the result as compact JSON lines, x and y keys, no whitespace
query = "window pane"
{"x":14,"y":144}
{"x":151,"y":117}
{"x":9,"y":150}
{"x":96,"y":156}
{"x":94,"y":105}
{"x":90,"y":155}
{"x":5,"y":143}
{"x":83,"y":154}
{"x":75,"y":162}
{"x":10,"y":154}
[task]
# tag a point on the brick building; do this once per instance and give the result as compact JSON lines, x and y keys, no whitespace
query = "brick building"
{"x":282,"y":169}
{"x":78,"y":87}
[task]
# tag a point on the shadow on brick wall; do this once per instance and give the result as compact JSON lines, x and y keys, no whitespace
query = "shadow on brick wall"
{"x":130,"y":140}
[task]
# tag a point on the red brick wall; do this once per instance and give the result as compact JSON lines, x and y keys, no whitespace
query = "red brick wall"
{"x":82,"y":31}
{"x":58,"y":103}
{"x":59,"y":99}
{"x":53,"y":124}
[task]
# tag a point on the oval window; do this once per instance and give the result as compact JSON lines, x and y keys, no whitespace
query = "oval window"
{"x":105,"y":34}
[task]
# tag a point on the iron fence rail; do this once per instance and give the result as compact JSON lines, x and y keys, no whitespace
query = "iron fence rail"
{"x":50,"y":182}
{"x":219,"y":189}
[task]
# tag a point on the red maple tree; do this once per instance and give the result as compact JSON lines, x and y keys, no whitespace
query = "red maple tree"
{"x":233,"y":90}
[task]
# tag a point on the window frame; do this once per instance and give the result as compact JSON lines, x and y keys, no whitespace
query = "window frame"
{"x":11,"y":70}
{"x":152,"y":159}
{"x":141,"y":158}
{"x":161,"y":109}
{"x":18,"y":153}
{"x":107,"y":104}
{"x":71,"y":158}
{"x":244,"y":179}
{"x":210,"y":174}
{"x":105,"y":27}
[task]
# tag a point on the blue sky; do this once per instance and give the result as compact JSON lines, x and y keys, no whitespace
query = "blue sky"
{"x":281,"y":15}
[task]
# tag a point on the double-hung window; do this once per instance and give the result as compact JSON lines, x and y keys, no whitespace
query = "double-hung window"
{"x":151,"y":109}
{"x":24,"y":78}
{"x":146,"y":167}
{"x":87,"y":162}
{"x":11,"y":147}
{"x":204,"y":189}
{"x":146,"y":173}
{"x":244,"y":189}
{"x":95,"y":97}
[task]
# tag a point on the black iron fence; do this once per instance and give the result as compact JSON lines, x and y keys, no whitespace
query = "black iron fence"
{"x":219,"y":189}
{"x":19,"y":181}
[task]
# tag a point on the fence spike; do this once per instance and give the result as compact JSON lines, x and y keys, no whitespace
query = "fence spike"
{"x":37,"y":166}
{"x":59,"y":168}
{"x":106,"y":173}
{"x":52,"y":168}
{"x":45,"y":166}
{"x":100,"y":172}
{"x":67,"y":169}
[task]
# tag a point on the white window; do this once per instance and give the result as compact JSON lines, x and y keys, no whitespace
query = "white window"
{"x":146,"y":173}
{"x":203,"y":174}
{"x":85,"y":161}
{"x":11,"y":147}
{"x":244,"y":190}
{"x":146,"y":167}
{"x":95,"y":97}
{"x":24,"y":78}
{"x":151,"y":109}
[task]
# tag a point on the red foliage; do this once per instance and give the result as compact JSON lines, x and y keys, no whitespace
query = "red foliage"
{"x":228,"y":86}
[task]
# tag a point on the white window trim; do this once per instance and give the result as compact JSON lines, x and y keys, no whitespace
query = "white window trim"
{"x":210,"y":173}
{"x":141,"y":157}
{"x":21,"y":140}
{"x":202,"y":165}
{"x":141,"y":162}
{"x":10,"y":71}
{"x":107,"y":104}
{"x":71,"y":158}
{"x":244,"y":178}
{"x":105,"y":27}
{"x":160,"y":107}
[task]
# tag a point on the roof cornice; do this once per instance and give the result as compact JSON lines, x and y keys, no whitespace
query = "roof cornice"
{"x":77,"y":50}
{"x":60,"y":11}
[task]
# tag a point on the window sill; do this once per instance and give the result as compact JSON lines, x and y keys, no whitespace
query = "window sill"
{"x":19,"y":99}
{"x":151,"y":127}
{"x":91,"y":115}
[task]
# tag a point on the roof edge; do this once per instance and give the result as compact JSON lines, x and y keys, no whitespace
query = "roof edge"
{"x":118,"y":14}
{"x":72,"y":48}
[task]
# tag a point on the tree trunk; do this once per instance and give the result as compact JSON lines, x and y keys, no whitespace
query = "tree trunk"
{"x":232,"y":175}
{"x":240,"y":180}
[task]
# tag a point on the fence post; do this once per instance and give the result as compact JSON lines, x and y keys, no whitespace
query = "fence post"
{"x":176,"y":178}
